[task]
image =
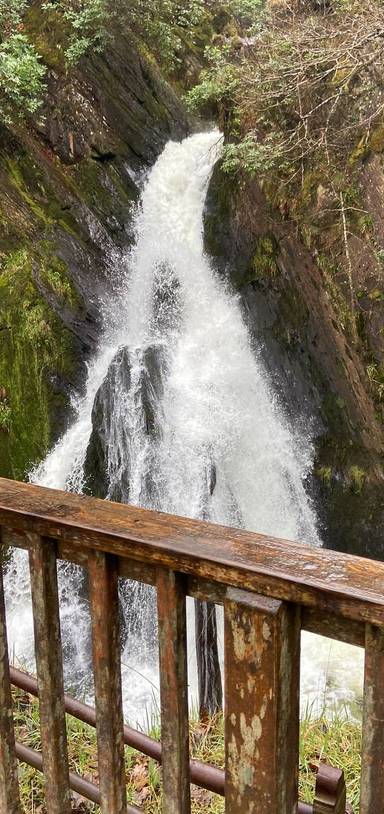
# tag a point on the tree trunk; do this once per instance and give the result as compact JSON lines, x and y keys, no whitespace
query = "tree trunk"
{"x":208,"y":667}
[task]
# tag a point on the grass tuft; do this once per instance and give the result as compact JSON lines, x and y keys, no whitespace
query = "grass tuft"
{"x":333,"y":739}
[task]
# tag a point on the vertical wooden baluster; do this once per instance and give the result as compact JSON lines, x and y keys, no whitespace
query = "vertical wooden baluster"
{"x":104,"y":606}
{"x":262,"y":667}
{"x":46,"y":621}
{"x":372,"y":759}
{"x":9,"y":786}
{"x":174,"y":692}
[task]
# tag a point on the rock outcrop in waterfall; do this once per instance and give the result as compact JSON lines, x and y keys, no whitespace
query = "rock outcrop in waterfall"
{"x":133,"y":386}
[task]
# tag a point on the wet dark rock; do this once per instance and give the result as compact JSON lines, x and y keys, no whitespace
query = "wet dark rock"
{"x":107,"y":467}
{"x":211,"y":478}
{"x":152,"y":386}
{"x":114,"y":105}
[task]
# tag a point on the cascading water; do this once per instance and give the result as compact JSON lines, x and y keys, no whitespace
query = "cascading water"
{"x":178,"y":414}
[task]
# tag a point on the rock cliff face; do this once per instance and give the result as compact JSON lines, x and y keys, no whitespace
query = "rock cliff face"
{"x":68,"y":184}
{"x":318,"y":372}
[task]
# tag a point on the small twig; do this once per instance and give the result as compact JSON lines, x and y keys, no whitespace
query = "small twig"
{"x":349,"y":265}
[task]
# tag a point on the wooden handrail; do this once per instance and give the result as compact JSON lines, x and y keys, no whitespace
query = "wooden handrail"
{"x":270,"y":590}
{"x":351,"y":587}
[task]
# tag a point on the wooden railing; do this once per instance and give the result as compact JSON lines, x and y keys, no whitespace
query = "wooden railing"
{"x":270,"y":589}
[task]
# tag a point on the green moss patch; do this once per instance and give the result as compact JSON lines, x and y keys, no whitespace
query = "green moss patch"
{"x":376,"y":141}
{"x":49,"y":33}
{"x":264,"y":260}
{"x":35,"y":349}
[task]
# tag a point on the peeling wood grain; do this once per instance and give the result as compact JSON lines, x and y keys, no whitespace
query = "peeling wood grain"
{"x":372,"y":759}
{"x":173,"y":692}
{"x":262,"y":662}
{"x":104,"y":607}
{"x":46,"y":621}
{"x":9,"y":786}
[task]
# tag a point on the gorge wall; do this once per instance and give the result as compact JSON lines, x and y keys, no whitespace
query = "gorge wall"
{"x":67,"y":186}
{"x":294,"y":313}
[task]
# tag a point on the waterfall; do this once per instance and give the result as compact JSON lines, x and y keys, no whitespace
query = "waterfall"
{"x":177,"y":415}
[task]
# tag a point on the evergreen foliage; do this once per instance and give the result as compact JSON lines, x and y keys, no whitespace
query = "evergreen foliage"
{"x":85,"y":25}
{"x":21,"y":71}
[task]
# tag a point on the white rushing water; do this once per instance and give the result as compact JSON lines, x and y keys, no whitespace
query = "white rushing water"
{"x":192,"y":425}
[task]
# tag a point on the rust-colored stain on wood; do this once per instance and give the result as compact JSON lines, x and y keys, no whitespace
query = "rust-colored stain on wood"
{"x":349,"y":586}
{"x":330,"y":792}
{"x":104,"y":607}
{"x":262,"y":656}
{"x":372,"y":759}
{"x":45,"y":603}
{"x":173,"y":691}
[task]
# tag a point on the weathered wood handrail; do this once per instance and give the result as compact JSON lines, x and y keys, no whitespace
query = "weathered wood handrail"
{"x":270,"y":590}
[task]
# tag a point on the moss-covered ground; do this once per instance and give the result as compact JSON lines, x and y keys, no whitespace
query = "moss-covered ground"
{"x":333,"y":739}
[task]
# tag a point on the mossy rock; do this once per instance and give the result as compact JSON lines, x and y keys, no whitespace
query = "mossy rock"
{"x":376,"y":140}
{"x":264,"y":260}
{"x":66,"y":196}
{"x":36,"y":355}
{"x":50,"y":34}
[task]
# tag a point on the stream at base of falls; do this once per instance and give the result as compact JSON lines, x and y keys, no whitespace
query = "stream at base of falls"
{"x":178,"y":415}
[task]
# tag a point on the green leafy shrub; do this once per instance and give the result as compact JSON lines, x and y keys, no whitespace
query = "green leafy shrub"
{"x":73,"y":27}
{"x":11,"y":13}
{"x":21,"y":77}
{"x":87,"y":22}
{"x":159,"y":22}
{"x":164,"y":24}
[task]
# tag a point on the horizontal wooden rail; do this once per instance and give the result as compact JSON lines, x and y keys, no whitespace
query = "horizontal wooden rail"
{"x":348,"y":586}
{"x":312,"y":619}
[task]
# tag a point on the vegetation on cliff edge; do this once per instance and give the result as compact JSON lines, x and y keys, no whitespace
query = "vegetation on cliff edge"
{"x":67,"y":29}
{"x":300,"y":96}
